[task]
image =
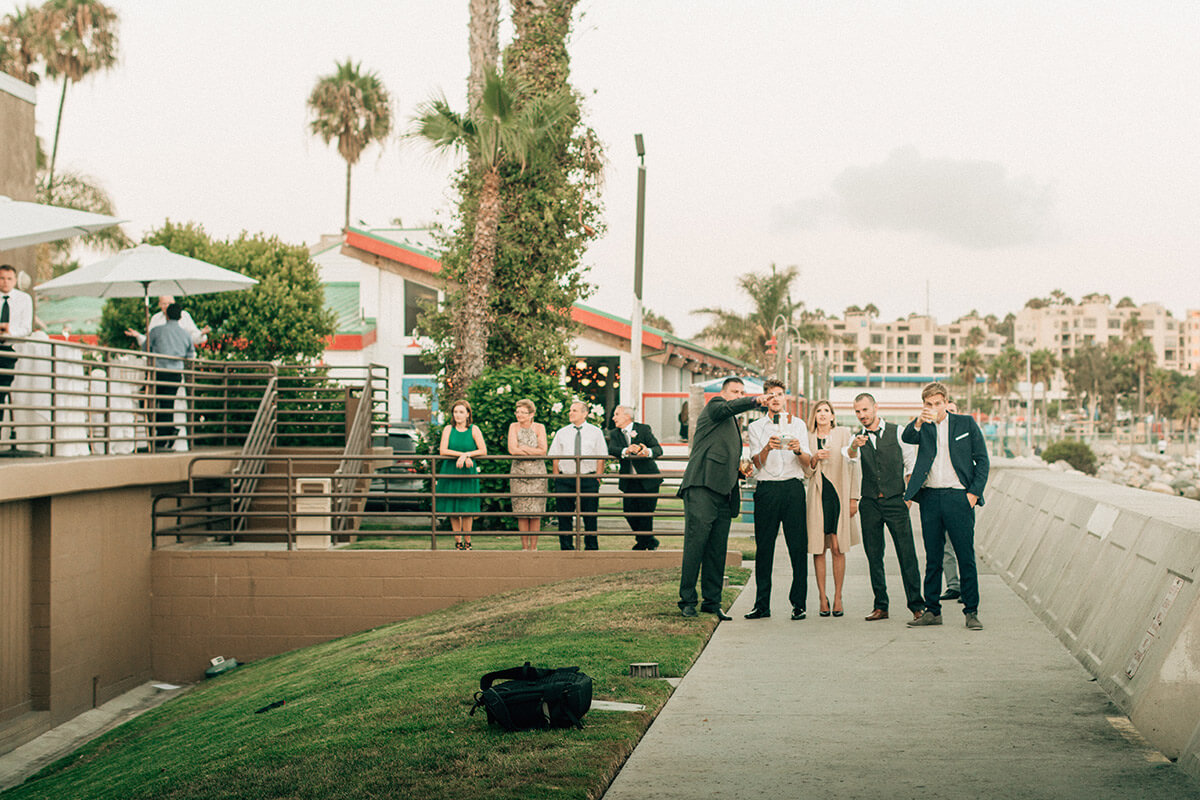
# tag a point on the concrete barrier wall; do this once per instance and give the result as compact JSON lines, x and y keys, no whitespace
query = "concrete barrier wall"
{"x":254,"y":604}
{"x":1112,"y":572}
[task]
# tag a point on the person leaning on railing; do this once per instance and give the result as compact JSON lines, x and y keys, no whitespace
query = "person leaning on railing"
{"x":463,"y":440}
{"x":170,"y":344}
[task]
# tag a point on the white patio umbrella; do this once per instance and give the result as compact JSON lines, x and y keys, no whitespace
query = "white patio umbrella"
{"x":143,"y":271}
{"x":23,"y":223}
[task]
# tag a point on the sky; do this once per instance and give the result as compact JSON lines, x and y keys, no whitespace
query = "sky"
{"x":941,"y":156}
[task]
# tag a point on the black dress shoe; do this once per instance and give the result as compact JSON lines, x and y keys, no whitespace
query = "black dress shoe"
{"x":688,"y":611}
{"x":652,"y":544}
{"x":797,"y":613}
{"x":638,"y":546}
{"x":950,"y":594}
{"x":721,"y":615}
{"x":759,"y":613}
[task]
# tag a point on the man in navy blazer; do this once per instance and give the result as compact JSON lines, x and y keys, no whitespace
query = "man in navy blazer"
{"x":947,"y":480}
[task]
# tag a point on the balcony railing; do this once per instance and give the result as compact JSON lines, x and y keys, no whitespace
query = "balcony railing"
{"x":391,"y":495}
{"x":70,"y":399}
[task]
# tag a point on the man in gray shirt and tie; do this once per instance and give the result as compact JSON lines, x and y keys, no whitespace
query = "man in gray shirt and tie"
{"x":171,"y":344}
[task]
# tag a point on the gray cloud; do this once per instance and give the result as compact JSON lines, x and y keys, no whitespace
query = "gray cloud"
{"x":975,"y":204}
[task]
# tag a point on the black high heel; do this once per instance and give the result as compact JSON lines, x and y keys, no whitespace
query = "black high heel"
{"x":824,"y":613}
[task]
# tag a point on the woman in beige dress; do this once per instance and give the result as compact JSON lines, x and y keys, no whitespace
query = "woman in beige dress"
{"x":528,"y":438}
{"x":832,"y":498}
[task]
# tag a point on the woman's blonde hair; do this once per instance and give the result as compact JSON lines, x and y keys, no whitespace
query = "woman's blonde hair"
{"x":526,"y":404}
{"x":812,"y":414}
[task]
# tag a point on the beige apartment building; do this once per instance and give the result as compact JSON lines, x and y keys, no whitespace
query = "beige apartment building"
{"x":1064,"y":328}
{"x":916,"y":345}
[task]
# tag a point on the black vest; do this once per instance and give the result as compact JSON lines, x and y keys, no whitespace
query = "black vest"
{"x":883,"y":465}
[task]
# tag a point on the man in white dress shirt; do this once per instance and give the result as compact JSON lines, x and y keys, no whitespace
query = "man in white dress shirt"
{"x":199,"y":335}
{"x":778,"y":445}
{"x":16,"y":319}
{"x":578,"y":438}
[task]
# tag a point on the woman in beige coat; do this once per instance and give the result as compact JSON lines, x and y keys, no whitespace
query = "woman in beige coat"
{"x":833,"y":490}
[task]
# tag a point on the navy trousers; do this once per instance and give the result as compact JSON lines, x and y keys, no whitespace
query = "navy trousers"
{"x":947,"y":512}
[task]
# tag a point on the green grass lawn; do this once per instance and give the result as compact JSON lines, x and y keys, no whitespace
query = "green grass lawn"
{"x":383,"y":714}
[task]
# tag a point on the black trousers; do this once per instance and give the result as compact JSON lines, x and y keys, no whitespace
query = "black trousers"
{"x":589,"y":501}
{"x":706,"y":518}
{"x":780,"y":503}
{"x":7,"y":362}
{"x":165,"y":387}
{"x":874,"y":513}
{"x":644,"y":505}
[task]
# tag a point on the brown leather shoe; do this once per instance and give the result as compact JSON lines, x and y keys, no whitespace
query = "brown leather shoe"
{"x":878,"y":613}
{"x":916,"y":615}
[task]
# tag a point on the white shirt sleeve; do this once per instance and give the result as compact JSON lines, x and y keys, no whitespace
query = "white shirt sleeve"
{"x":909,"y":453}
{"x":20,"y":313}
{"x":756,"y":437}
{"x":558,"y":445}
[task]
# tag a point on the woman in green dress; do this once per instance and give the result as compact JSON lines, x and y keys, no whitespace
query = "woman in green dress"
{"x":464,"y":441}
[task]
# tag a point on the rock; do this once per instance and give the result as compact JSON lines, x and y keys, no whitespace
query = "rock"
{"x":1161,"y":488}
{"x":1191,"y":492}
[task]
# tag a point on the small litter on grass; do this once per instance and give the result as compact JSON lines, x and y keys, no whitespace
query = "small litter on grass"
{"x":611,"y":705}
{"x":270,"y":706}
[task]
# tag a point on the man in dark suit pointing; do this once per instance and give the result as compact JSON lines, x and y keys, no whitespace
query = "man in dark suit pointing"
{"x":634,"y":444}
{"x":711,"y":496}
{"x":947,"y":480}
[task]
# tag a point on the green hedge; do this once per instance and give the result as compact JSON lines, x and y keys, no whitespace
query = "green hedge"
{"x":1075,"y":453}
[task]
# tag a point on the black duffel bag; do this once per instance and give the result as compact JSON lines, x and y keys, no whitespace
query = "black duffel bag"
{"x":530,"y":698}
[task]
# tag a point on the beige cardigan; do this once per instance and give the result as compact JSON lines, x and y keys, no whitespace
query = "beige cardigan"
{"x":845,"y":476}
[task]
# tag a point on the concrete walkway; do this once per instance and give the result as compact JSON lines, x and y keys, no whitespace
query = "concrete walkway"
{"x":839,"y":708}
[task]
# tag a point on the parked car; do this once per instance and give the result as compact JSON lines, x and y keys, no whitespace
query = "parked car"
{"x":401,"y":485}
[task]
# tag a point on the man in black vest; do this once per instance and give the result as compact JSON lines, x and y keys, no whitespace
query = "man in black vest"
{"x":886,"y":464}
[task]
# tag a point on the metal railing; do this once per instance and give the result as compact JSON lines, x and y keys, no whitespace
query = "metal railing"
{"x":259,"y":440}
{"x":72,"y":399}
{"x":348,"y":471}
{"x":409,"y":503}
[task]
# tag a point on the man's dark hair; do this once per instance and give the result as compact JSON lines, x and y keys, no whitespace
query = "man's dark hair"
{"x":732,"y":379}
{"x":175,"y":311}
{"x":771,"y":383}
{"x":865,"y":396}
{"x":8,"y":268}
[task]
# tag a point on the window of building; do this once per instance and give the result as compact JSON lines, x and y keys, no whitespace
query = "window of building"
{"x":1113,"y":324}
{"x":415,"y":297}
{"x":939,"y":358}
{"x":876,"y":338}
{"x":914,"y":358}
{"x":914,"y":370}
{"x":416,"y":365}
{"x":914,"y":338}
{"x":1090,"y":322}
{"x":1147,"y":324}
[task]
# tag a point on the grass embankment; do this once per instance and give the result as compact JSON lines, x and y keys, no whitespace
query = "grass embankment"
{"x":383,"y":714}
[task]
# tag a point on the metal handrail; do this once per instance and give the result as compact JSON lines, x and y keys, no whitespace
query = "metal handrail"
{"x":350,"y":466}
{"x":199,"y":512}
{"x":71,"y":398}
{"x":260,"y":439}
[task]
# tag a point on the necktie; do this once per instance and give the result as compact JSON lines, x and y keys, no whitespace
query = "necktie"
{"x":578,"y":441}
{"x":628,"y":438}
{"x":4,"y":310}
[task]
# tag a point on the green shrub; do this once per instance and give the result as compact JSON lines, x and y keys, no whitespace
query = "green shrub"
{"x":1077,"y":454}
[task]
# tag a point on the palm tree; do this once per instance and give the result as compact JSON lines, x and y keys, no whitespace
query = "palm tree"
{"x":1005,"y":371}
{"x":870,"y":360}
{"x":353,"y":107}
{"x":20,"y":47}
{"x":1160,"y":392}
{"x":1141,"y":358}
{"x":507,"y":129}
{"x":1187,"y":407}
{"x":1042,"y":366}
{"x":76,"y":38}
{"x":976,"y":336}
{"x":484,"y":36}
{"x":746,"y":335}
{"x":970,"y":365}
{"x":84,"y":194}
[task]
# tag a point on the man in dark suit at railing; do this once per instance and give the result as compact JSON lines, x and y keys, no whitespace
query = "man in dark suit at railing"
{"x":636,"y":447}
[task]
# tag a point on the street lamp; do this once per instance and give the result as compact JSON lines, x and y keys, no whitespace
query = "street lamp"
{"x":635,"y":343}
